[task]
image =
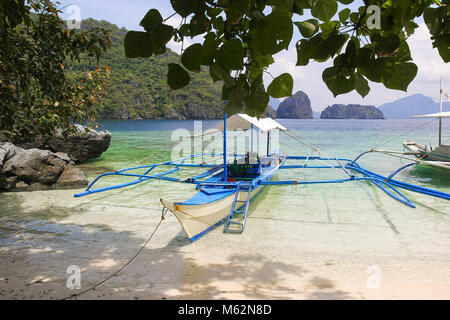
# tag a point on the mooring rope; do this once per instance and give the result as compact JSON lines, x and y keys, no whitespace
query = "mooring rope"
{"x":163,"y":214}
{"x":383,"y":142}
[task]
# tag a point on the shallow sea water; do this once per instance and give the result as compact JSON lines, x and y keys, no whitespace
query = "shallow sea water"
{"x":314,"y":241}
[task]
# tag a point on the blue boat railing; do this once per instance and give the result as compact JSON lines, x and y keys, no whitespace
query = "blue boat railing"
{"x":386,"y":183}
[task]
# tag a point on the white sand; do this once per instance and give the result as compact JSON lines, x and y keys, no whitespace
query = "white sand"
{"x":306,"y":249}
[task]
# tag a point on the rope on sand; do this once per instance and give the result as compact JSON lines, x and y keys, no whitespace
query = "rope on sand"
{"x":163,"y":213}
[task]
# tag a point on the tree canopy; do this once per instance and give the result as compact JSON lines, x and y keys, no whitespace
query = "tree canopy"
{"x":241,"y":37}
{"x":37,"y":96}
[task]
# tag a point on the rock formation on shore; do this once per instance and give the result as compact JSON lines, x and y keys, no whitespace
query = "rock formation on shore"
{"x":296,"y":107}
{"x":49,"y":162}
{"x":351,"y":111}
{"x":35,"y":169}
{"x":83,"y":145}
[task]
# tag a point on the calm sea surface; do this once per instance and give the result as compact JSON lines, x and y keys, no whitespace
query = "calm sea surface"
{"x":46,"y":230}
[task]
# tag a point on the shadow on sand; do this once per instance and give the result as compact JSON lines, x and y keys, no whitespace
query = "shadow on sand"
{"x":36,"y":251}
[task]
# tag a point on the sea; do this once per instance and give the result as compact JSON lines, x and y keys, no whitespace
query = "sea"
{"x":43,"y":233}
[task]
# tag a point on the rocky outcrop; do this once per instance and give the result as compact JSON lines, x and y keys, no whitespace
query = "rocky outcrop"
{"x":296,"y":107}
{"x":351,"y":111}
{"x":35,"y":169}
{"x":269,"y":113}
{"x":83,"y":145}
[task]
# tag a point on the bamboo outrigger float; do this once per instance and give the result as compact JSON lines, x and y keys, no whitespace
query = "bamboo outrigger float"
{"x":226,"y":190}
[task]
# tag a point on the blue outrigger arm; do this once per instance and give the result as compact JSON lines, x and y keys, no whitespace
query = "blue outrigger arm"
{"x":386,"y":184}
{"x":159,"y":176}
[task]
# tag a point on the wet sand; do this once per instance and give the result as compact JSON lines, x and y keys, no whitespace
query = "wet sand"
{"x":317,"y":245}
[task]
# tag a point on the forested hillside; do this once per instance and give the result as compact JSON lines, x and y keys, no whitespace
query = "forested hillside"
{"x":137,"y":88}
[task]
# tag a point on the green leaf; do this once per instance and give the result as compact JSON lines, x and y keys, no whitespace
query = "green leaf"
{"x":304,"y":52}
{"x":432,"y":20}
{"x":404,"y":73}
{"x":329,"y":26}
{"x":151,"y":20}
{"x":320,"y":47}
{"x":281,"y":86}
{"x":403,"y":53}
{"x":231,"y":55}
{"x":237,"y":94}
{"x":192,"y":57}
{"x":233,"y":106}
{"x":386,"y":44}
{"x":441,"y":42}
{"x":324,"y":9}
{"x":272,"y":33}
{"x":184,"y":30}
{"x":362,"y":86}
{"x":354,"y":17}
{"x":199,"y":24}
{"x":304,"y":4}
{"x":308,"y":28}
{"x":281,"y":4}
{"x":138,"y":44}
{"x":258,"y":99}
{"x":209,"y":50}
{"x":345,"y":1}
{"x":177,"y":77}
{"x":186,"y":7}
{"x":218,"y":73}
{"x":337,"y":82}
{"x":344,"y":15}
{"x":236,"y":9}
{"x":160,"y":36}
{"x":215,"y":71}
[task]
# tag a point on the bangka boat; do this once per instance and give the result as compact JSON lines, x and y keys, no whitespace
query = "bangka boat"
{"x":224,"y":191}
{"x":438,"y":156}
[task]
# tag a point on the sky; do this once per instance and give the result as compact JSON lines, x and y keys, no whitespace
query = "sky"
{"x":309,"y":78}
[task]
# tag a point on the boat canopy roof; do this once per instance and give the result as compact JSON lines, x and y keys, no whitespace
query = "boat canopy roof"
{"x":242,"y":121}
{"x":435,"y":115}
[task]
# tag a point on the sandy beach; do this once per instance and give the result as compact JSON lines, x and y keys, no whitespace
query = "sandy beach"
{"x":386,"y":251}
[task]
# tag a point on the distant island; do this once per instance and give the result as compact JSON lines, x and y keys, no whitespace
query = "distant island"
{"x":406,"y":108}
{"x":298,"y":106}
{"x":351,"y":111}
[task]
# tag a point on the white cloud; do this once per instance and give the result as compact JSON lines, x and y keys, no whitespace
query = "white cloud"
{"x":309,"y":78}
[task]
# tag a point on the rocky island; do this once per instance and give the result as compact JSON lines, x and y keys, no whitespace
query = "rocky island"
{"x":298,"y":106}
{"x":351,"y":111}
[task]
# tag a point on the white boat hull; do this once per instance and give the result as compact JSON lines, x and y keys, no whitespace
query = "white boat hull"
{"x":196,"y":220}
{"x":439,"y":157}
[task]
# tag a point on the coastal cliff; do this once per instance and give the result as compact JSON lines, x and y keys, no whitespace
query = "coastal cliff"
{"x":137,"y":88}
{"x":296,"y":107}
{"x":351,"y":111}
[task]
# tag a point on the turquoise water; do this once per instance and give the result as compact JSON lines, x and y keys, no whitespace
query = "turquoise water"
{"x":149,"y":141}
{"x":47,"y":230}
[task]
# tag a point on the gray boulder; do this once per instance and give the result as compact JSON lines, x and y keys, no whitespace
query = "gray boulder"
{"x":83,"y":145}
{"x":34,"y":169}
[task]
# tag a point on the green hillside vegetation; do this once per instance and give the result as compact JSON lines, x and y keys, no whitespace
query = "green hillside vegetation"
{"x":137,"y":88}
